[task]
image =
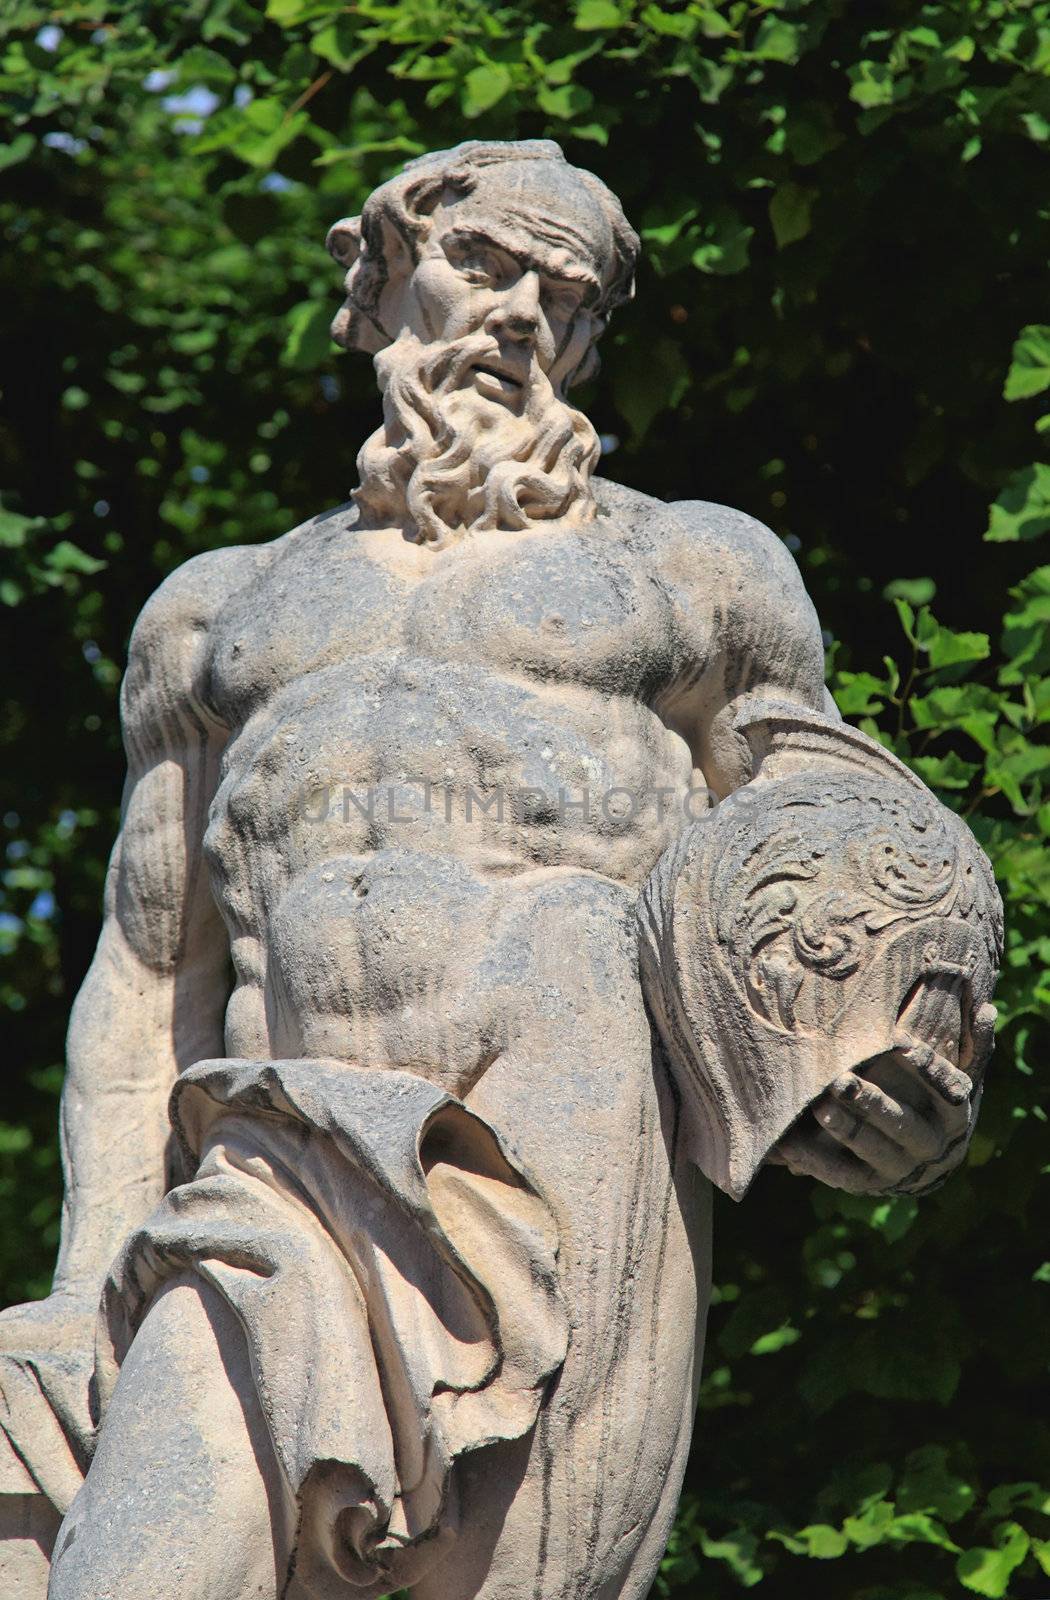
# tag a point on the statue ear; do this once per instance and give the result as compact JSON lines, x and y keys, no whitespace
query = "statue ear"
{"x":375,"y":282}
{"x":398,"y":263}
{"x":344,"y":241}
{"x":581,"y":359}
{"x":587,"y":369}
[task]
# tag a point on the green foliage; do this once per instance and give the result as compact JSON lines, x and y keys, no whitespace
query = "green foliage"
{"x":845,"y":219}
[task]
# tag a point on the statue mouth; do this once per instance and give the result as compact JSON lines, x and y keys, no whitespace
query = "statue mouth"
{"x":496,"y":381}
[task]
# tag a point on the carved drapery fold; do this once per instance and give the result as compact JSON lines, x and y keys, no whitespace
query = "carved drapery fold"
{"x":396,"y":1279}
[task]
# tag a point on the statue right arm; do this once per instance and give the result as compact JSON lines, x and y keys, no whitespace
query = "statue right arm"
{"x":820,"y":949}
{"x":153,"y":1000}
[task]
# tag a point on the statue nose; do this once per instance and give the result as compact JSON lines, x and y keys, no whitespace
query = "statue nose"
{"x":517,"y":316}
{"x":522,"y":330}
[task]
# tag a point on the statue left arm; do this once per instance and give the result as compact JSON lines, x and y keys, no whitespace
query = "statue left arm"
{"x":818,"y":917}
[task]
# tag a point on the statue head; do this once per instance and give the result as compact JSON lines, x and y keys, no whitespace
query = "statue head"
{"x":485,"y":222}
{"x":481,"y":279}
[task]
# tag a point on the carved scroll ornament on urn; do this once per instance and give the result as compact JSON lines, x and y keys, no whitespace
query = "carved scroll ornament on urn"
{"x":495,"y":875}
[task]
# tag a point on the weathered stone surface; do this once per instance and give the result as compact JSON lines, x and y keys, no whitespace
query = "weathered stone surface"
{"x":553,"y":888}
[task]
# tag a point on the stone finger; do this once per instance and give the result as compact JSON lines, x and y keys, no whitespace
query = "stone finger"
{"x":870,"y":1145}
{"x":812,"y":1154}
{"x":982,"y":1036}
{"x":900,"y":1123}
{"x":949,"y":1081}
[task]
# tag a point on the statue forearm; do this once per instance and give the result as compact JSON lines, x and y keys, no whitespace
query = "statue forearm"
{"x":114,"y":1125}
{"x":123,"y":1057}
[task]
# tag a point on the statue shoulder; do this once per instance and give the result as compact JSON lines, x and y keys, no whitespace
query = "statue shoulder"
{"x":632,"y":512}
{"x":740,"y":563}
{"x":186,"y":604}
{"x":733,"y":542}
{"x":709,"y":539}
{"x":169,"y":640}
{"x":740,"y":581}
{"x":169,"y":649}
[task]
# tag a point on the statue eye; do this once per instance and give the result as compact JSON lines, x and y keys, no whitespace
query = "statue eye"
{"x":478,"y":264}
{"x":562,"y":301}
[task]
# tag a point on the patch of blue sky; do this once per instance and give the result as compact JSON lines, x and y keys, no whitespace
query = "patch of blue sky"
{"x":60,"y":140}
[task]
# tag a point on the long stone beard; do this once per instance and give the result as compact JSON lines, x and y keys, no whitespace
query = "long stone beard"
{"x":447,"y":461}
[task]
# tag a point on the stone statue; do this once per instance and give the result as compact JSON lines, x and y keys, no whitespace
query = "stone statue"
{"x":554,"y":889}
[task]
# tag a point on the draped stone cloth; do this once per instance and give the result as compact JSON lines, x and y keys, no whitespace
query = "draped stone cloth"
{"x":46,"y":1433}
{"x":396,"y":1279}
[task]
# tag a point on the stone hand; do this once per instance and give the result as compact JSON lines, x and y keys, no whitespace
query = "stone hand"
{"x":897,"y":1123}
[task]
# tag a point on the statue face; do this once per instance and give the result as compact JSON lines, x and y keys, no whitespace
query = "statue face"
{"x":478,"y":327}
{"x":518,"y":267}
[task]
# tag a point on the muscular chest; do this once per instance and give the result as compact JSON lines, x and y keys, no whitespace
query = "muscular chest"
{"x":560,"y":609}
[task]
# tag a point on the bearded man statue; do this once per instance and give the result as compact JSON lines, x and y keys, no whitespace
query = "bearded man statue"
{"x":553,"y":891}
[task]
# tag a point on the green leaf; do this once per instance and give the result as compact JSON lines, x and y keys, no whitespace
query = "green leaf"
{"x":289,"y":12}
{"x":675,"y":24}
{"x":256,"y":133}
{"x":644,"y":388}
{"x":665,"y":221}
{"x":918,"y":1527}
{"x":860,"y":694}
{"x":737,"y":1550}
{"x":596,"y":132}
{"x":14,"y":528}
{"x":1022,"y":511}
{"x":341,"y":43}
{"x":484,"y":87}
{"x":820,"y":1541}
{"x":1007,"y":1497}
{"x":945,"y":772}
{"x":790,"y":212}
{"x":726,"y":238}
{"x":21,"y":146}
{"x":597,"y":14}
{"x":970,"y":707}
{"x":570,"y":100}
{"x":562,"y":69}
{"x":871,"y":84}
{"x":893,"y":1215}
{"x":823,"y":1542}
{"x":776,"y":40}
{"x":199,"y":64}
{"x":906,"y":617}
{"x":930,"y":1484}
{"x":947,"y":648}
{"x":871,"y":1527}
{"x":308,"y":341}
{"x":1026,"y":629}
{"x":810,"y":132}
{"x":987,"y":1571}
{"x":67,"y":557}
{"x":870,"y":1362}
{"x":711,"y":77}
{"x":1030,"y":366}
{"x":917,"y":591}
{"x":779,"y":1339}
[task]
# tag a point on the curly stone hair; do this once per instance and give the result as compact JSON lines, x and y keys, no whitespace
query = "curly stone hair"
{"x":398,"y":214}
